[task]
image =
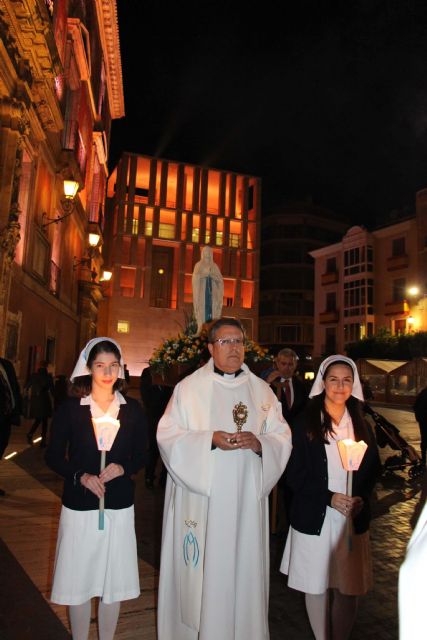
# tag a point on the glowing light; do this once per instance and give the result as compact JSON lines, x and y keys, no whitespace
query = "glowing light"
{"x":37,"y":439}
{"x":94,"y":239}
{"x":413,"y":291}
{"x":106,"y":275}
{"x":14,"y":453}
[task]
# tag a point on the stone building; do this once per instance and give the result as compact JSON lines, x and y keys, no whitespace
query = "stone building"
{"x":372,"y":280}
{"x":160,"y":214}
{"x":60,"y":87}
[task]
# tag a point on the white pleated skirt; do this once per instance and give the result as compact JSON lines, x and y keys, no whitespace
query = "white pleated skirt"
{"x":92,"y":563}
{"x":316,"y":563}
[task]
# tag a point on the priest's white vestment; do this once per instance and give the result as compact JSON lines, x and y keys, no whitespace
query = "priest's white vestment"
{"x":214,"y":574}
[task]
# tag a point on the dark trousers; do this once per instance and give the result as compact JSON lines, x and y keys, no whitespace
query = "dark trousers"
{"x":35,"y":426}
{"x":5,"y":429}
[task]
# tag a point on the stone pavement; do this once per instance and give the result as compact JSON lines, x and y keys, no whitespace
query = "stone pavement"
{"x":28,"y":522}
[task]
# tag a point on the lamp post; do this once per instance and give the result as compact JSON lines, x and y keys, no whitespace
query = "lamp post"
{"x":71,"y":188}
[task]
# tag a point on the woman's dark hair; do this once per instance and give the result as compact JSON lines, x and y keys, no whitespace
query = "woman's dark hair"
{"x":82,"y":385}
{"x":319,"y":422}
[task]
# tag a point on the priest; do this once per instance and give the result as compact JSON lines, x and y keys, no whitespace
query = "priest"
{"x":225,"y":444}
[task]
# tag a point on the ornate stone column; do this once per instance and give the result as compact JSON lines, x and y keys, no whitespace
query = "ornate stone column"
{"x":14,"y":126}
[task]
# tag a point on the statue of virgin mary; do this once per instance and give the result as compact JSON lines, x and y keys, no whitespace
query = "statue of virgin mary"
{"x":208,"y":289}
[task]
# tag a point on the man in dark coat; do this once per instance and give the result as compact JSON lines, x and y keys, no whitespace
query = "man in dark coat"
{"x":154,"y":398}
{"x":10,"y":404}
{"x":293,"y":396}
{"x":289,"y":389}
{"x":41,"y":387}
{"x":420,"y":410}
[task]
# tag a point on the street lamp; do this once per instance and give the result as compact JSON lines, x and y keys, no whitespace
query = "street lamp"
{"x":86,"y":260}
{"x":71,"y":188}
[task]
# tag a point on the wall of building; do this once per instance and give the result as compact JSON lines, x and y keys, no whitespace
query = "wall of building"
{"x":160,"y":214}
{"x":287,"y":273}
{"x":386,"y":264}
{"x":60,"y":87}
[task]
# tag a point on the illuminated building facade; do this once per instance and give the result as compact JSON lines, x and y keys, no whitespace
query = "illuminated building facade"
{"x":160,"y":215}
{"x":60,"y":87}
{"x":372,"y":280}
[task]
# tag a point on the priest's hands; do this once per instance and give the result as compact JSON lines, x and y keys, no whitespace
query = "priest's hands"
{"x":96,"y":484}
{"x":228,"y":441}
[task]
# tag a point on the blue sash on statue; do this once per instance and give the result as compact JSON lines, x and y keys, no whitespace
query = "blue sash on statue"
{"x":208,"y":299}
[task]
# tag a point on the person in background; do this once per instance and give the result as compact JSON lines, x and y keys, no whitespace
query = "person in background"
{"x":289,"y":389}
{"x":10,"y":404}
{"x":127,"y":374}
{"x":292,"y":395}
{"x":318,"y":558}
{"x":420,"y":410}
{"x":41,"y":389}
{"x":155,"y":398}
{"x":60,"y":390}
{"x":91,"y":562}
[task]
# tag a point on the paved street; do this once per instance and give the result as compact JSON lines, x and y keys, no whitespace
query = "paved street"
{"x":28,"y":521}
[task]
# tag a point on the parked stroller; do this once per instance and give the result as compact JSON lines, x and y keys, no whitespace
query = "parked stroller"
{"x":387,"y":434}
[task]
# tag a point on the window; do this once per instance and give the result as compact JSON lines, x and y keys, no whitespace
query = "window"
{"x":166,"y":231}
{"x":352,"y":332}
{"x":399,"y":290}
{"x":50,"y":350}
{"x":399,"y":327}
{"x":123,"y":326}
{"x":331,"y":265}
{"x":331,"y":301}
{"x":289,"y":333}
{"x":330,"y":345}
{"x":358,"y":260}
{"x":161,"y":277}
{"x":40,"y":255}
{"x":398,"y":247}
{"x":127,"y":281}
{"x":358,"y":297}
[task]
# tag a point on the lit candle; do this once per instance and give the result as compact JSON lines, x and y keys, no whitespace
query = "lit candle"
{"x":351,"y":454}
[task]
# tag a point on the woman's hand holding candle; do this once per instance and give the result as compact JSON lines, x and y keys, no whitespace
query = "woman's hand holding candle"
{"x":111,"y":471}
{"x":93,"y":483}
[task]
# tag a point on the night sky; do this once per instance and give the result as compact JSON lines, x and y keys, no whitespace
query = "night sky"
{"x":328,"y":100}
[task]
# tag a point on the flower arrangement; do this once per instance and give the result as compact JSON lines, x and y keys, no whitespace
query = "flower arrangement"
{"x":190,"y":349}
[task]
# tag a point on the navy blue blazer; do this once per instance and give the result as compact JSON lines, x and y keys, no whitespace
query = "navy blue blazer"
{"x":307,"y":476}
{"x":73,"y":450}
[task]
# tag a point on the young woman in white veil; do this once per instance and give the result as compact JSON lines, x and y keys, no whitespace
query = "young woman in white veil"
{"x":91,"y":562}
{"x":317,"y":557}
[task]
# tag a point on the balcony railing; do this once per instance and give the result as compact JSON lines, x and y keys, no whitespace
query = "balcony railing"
{"x":397,"y":262}
{"x":396,"y":308}
{"x":329,"y":277}
{"x":328,"y":317}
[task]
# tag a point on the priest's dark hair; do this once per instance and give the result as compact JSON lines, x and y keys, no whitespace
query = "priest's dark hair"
{"x":223,"y":322}
{"x":82,"y":385}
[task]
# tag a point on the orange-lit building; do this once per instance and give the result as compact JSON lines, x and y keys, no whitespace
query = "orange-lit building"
{"x":372,"y":280}
{"x":60,"y":87}
{"x":160,"y":214}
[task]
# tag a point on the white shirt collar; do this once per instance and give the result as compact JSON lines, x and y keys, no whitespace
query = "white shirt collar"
{"x":117,"y":400}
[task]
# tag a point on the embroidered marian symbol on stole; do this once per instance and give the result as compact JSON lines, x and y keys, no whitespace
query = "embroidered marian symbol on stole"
{"x":191,"y":546}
